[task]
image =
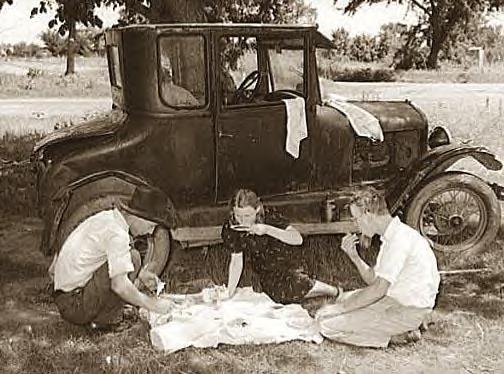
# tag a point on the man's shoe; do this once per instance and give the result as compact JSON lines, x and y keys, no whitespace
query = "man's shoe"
{"x":406,"y":338}
{"x":95,"y":327}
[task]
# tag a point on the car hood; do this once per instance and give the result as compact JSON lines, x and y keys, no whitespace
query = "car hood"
{"x":393,"y":115}
{"x":103,"y":125}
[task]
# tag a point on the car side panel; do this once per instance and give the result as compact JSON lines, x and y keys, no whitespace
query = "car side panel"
{"x":332,"y":140}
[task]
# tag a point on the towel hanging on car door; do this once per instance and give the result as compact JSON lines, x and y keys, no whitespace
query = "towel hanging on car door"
{"x":297,"y":128}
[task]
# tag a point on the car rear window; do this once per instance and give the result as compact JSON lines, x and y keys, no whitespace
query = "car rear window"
{"x":182,"y":71}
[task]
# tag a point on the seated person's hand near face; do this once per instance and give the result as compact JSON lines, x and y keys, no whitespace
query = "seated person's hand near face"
{"x":348,"y":245}
{"x":259,"y":229}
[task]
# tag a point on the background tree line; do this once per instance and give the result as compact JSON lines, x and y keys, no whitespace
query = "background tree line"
{"x":399,"y":46}
{"x":443,"y":28}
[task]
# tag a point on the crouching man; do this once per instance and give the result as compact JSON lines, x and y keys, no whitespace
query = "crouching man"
{"x":402,"y":286}
{"x":96,"y":270}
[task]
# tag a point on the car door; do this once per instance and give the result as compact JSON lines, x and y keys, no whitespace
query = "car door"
{"x":252,"y":132}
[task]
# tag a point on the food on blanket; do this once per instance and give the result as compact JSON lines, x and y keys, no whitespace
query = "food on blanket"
{"x":160,"y":286}
{"x":248,"y":318}
{"x":215,"y":294}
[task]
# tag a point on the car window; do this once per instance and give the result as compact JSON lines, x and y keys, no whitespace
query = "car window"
{"x":287,"y":68}
{"x":253,"y":69}
{"x":239,"y":71}
{"x":182,"y":71}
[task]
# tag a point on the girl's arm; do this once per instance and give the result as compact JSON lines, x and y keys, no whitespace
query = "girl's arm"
{"x":235,"y":271}
{"x":289,"y":236}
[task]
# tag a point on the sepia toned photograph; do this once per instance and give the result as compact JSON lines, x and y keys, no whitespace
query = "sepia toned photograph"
{"x":252,"y":186}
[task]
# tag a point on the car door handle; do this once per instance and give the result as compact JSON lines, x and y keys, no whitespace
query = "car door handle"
{"x":225,"y":135}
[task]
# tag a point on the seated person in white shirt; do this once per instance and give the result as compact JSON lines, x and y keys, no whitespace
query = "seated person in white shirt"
{"x":402,"y":286}
{"x":96,"y":271}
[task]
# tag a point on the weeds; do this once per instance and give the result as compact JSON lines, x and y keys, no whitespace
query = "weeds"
{"x":18,"y":185}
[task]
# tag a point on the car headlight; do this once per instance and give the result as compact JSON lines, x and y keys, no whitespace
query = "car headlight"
{"x":439,"y":136}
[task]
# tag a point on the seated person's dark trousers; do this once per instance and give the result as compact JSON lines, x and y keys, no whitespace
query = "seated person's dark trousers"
{"x":95,"y":302}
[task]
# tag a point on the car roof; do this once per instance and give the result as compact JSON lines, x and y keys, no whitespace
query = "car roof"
{"x":320,"y":40}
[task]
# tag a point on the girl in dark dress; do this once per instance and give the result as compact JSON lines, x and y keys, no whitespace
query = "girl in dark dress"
{"x":265,"y":238}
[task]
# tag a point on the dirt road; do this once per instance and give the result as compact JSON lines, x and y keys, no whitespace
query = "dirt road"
{"x":47,"y":107}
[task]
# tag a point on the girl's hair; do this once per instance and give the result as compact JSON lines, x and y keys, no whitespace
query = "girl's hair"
{"x":244,"y":198}
{"x":371,"y":200}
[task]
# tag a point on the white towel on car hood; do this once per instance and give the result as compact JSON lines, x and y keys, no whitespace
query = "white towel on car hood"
{"x":363,"y":123}
{"x":297,"y":128}
{"x":247,"y":318}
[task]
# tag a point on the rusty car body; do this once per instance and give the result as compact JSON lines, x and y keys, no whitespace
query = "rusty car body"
{"x":211,"y":138}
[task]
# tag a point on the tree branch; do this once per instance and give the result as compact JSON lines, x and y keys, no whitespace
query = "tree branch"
{"x":423,"y":7}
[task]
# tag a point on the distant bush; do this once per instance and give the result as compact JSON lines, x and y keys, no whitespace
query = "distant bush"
{"x":18,"y":194}
{"x":358,"y":74}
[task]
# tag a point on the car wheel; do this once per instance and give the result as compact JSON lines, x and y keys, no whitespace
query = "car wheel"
{"x":458,"y":212}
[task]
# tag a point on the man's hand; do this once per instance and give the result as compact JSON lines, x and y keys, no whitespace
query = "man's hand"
{"x":348,"y":245}
{"x":148,"y":279}
{"x":259,"y":229}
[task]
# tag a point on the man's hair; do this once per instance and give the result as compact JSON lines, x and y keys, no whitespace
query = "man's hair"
{"x":370,"y":200}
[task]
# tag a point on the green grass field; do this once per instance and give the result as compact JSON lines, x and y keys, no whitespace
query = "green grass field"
{"x":466,"y":336}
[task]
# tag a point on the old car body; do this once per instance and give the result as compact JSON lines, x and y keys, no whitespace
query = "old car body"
{"x":200,"y":142}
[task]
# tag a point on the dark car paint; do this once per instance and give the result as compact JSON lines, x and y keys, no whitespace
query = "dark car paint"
{"x":199,"y":156}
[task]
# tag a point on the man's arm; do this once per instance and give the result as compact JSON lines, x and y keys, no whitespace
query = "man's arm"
{"x":365,"y":296}
{"x":348,"y":244}
{"x":158,"y":250}
{"x":354,"y":300}
{"x":123,"y":287}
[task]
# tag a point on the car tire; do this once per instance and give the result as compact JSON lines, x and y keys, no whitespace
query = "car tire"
{"x":441,"y":211}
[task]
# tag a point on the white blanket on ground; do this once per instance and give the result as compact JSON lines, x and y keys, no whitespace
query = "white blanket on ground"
{"x":363,"y":123}
{"x":297,"y":128}
{"x":247,"y":318}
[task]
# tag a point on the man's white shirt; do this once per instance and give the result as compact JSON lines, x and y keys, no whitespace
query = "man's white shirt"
{"x":406,"y":261}
{"x":101,"y":238}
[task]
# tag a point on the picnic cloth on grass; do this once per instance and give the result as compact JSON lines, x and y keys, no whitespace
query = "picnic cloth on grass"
{"x":297,"y":128}
{"x":363,"y":123}
{"x":247,"y":318}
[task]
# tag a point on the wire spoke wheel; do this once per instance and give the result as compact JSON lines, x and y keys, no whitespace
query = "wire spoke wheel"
{"x":458,"y":212}
{"x":454,"y":218}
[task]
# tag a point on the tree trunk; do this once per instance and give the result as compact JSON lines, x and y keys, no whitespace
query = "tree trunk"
{"x":72,"y":33}
{"x":432,"y":60}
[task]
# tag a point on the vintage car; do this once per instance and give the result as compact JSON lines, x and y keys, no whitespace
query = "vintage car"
{"x":200,"y":110}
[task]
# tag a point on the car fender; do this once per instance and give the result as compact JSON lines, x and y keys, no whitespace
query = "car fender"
{"x":90,"y":194}
{"x":433,"y":163}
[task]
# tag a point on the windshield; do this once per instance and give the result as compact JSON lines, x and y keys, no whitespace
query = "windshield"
{"x":287,"y":69}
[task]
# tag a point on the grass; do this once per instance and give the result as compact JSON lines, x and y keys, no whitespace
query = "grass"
{"x":31,"y":77}
{"x":447,"y":73}
{"x":466,"y":335}
{"x":468,"y":331}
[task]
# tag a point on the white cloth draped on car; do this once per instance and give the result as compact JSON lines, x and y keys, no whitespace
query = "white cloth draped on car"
{"x":297,"y":128}
{"x":363,"y":123}
{"x":246,"y":318}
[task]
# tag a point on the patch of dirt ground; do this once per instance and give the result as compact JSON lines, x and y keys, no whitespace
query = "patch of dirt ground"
{"x":466,"y":334}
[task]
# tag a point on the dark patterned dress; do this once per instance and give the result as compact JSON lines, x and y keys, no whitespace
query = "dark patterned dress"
{"x":283,"y":280}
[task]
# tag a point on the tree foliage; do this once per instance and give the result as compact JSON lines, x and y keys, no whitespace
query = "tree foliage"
{"x":438,"y":19}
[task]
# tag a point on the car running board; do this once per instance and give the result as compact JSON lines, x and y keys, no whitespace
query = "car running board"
{"x":190,"y":237}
